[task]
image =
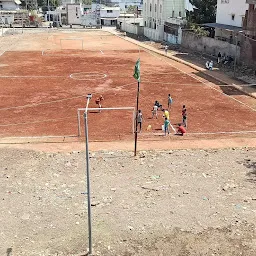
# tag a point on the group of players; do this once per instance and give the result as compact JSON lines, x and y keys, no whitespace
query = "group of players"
{"x":166,"y":115}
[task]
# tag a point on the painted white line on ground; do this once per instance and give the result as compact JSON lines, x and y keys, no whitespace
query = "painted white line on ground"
{"x":101,"y":52}
{"x":202,"y":133}
{"x":35,"y":122}
{"x":200,"y":80}
{"x":59,"y":100}
{"x":210,"y":133}
{"x":32,"y":76}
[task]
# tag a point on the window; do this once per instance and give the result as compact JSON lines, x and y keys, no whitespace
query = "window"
{"x":145,"y":23}
{"x":224,"y":1}
{"x":154,"y":25}
{"x":233,"y":16}
{"x":179,"y":13}
{"x":155,"y":7}
{"x":150,"y":7}
{"x":160,"y":8}
{"x":173,"y":14}
{"x":109,"y":11}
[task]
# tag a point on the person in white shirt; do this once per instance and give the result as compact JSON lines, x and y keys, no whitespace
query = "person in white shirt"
{"x":211,"y":65}
{"x":166,"y":49}
{"x":154,"y":111}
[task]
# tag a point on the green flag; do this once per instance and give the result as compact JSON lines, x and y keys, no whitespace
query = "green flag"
{"x":136,"y":74}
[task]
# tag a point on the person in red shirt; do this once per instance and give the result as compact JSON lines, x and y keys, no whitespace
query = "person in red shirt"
{"x":99,"y":100}
{"x":181,"y":130}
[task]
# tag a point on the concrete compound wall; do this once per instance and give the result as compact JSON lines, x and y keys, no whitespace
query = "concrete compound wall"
{"x":248,"y":52}
{"x":173,"y":39}
{"x":208,"y":45}
{"x":154,"y":34}
{"x":133,"y":29}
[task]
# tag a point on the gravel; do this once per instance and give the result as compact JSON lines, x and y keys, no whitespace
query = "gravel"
{"x":183,"y":202}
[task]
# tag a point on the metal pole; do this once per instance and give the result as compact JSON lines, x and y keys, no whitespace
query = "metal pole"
{"x":88,"y":179}
{"x":235,"y":58}
{"x":136,"y":127}
{"x":79,"y":123}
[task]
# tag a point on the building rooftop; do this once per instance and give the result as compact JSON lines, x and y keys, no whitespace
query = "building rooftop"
{"x":222,"y":26}
{"x":110,"y":8}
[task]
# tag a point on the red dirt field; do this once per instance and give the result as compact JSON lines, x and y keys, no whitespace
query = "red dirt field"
{"x":39,"y":98}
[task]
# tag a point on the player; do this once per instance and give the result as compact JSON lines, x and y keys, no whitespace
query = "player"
{"x":169,"y":101}
{"x":166,"y":126}
{"x":184,"y":116}
{"x":166,"y":114}
{"x":139,"y":119}
{"x":154,"y":111}
{"x":98,"y":101}
{"x":166,"y":49}
{"x":181,"y":130}
{"x":158,"y":105}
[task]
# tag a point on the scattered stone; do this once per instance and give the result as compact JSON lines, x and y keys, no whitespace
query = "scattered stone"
{"x":95,"y":203}
{"x":25,"y":216}
{"x":130,"y":227}
{"x":150,"y":188}
{"x":113,"y":189}
{"x":185,"y":192}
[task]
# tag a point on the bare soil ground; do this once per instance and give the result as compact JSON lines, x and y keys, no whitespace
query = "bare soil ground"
{"x":179,"y":203}
{"x":39,"y":97}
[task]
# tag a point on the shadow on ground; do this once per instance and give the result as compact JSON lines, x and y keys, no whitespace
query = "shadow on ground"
{"x":252,"y":166}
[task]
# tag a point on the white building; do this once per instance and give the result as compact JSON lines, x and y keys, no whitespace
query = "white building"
{"x":7,"y":5}
{"x":157,"y":12}
{"x":109,"y":15}
{"x":229,"y":19}
{"x":231,"y":12}
{"x":74,"y":14}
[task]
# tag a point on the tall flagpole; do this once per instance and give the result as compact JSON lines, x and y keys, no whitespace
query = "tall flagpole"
{"x":136,"y":129}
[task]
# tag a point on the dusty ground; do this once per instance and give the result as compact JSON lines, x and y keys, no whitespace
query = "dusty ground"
{"x":187,"y":202}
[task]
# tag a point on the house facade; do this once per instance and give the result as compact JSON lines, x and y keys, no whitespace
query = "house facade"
{"x":157,"y":12}
{"x":231,"y":12}
{"x":229,"y":18}
{"x":109,"y":15}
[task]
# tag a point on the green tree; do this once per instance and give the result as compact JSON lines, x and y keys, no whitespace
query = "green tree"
{"x":206,"y":12}
{"x":131,"y":9}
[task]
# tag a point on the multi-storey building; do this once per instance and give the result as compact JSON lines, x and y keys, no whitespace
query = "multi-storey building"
{"x":157,"y":12}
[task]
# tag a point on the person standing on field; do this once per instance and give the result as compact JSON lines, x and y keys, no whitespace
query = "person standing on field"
{"x":184,"y":116}
{"x":219,"y":57}
{"x":154,"y":111}
{"x":139,"y":120}
{"x":169,"y":102}
{"x":98,"y":101}
{"x":166,"y":126}
{"x":166,"y":114}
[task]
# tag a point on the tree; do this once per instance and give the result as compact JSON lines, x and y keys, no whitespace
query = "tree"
{"x":132,"y":9}
{"x":206,"y":12}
